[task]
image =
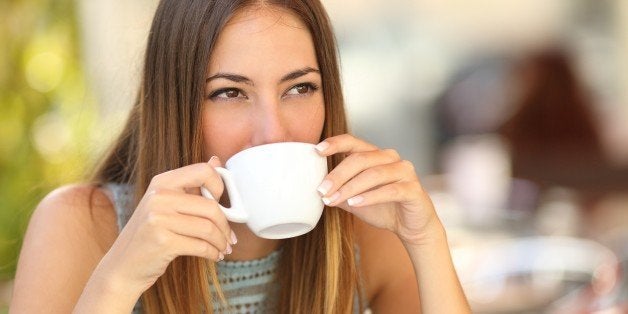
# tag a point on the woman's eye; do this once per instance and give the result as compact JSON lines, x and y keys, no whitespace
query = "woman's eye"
{"x":301,"y":89}
{"x":228,"y":93}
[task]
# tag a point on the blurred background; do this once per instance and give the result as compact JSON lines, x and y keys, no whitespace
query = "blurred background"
{"x":515,"y":114}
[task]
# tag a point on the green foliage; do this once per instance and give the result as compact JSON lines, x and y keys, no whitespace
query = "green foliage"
{"x":46,"y":111}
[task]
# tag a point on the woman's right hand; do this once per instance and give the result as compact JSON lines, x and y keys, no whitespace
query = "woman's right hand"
{"x":172,"y":219}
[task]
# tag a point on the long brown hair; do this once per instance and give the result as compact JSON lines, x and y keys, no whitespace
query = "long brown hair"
{"x":317,"y":271}
{"x":553,"y":133}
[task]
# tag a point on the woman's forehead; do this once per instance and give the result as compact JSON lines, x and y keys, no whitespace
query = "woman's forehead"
{"x":259,"y":18}
{"x":263,"y":40}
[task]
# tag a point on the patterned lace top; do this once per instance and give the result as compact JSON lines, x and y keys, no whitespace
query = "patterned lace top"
{"x":248,"y":285}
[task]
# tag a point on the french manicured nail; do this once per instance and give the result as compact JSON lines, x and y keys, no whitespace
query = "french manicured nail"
{"x":234,"y":239}
{"x":324,"y":187}
{"x":331,"y":199}
{"x":220,"y":257}
{"x":228,"y":250}
{"x":322,"y":146}
{"x":356,"y":200}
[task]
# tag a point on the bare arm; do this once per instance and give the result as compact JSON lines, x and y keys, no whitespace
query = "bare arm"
{"x":384,"y":191}
{"x":388,"y":275}
{"x":435,"y":273}
{"x":394,"y":271}
{"x":65,"y":265}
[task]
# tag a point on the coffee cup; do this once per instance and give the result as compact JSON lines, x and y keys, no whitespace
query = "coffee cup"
{"x":272,"y":188}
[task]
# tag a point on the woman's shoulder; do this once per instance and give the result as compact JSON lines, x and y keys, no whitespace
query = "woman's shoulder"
{"x":81,"y":209}
{"x":68,"y":233}
{"x":384,"y":262}
{"x":379,"y":248}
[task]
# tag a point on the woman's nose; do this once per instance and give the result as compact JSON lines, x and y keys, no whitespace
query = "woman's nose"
{"x":271,"y":126}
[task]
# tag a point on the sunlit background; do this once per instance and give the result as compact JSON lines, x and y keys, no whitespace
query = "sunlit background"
{"x":515,"y":114}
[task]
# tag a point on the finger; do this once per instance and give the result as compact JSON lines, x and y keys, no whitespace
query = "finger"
{"x":352,"y":166}
{"x":187,"y":177}
{"x":192,"y":205}
{"x":208,"y":209}
{"x":199,"y":228}
{"x":189,"y":246}
{"x":345,"y":143}
{"x":217,"y":187}
{"x":370,"y":179}
{"x":215,"y":190}
{"x":402,"y":192}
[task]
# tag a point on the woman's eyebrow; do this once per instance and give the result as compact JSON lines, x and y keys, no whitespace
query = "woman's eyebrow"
{"x":230,"y":76}
{"x":298,"y":73}
{"x":243,"y":79}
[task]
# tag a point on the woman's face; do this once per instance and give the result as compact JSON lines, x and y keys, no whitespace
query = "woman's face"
{"x":263,"y":84}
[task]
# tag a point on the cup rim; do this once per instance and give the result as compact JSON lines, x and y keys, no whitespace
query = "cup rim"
{"x":263,"y":146}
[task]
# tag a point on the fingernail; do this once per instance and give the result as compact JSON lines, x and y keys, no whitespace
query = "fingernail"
{"x":220,"y":257}
{"x":331,"y":199}
{"x":234,"y":239}
{"x":355,"y":200}
{"x":228,"y":250}
{"x":324,"y":187}
{"x":214,"y":161}
{"x":322,"y":146}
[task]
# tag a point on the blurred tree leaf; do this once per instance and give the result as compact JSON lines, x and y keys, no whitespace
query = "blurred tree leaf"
{"x":46,"y":113}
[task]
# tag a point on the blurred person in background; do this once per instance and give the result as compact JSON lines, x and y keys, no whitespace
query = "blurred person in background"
{"x":555,"y":142}
{"x":219,"y":77}
{"x":535,"y":112}
{"x":553,"y":133}
{"x":545,"y":116}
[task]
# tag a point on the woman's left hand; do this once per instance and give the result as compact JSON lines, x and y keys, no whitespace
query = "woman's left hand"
{"x":378,"y":187}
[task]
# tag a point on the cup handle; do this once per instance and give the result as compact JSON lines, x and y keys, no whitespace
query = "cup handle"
{"x":236,"y":212}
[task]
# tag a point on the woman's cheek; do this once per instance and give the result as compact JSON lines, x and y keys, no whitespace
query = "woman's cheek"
{"x":308,"y":123}
{"x":224,"y":134}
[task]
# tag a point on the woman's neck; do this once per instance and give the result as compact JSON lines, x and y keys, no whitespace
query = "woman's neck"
{"x":249,"y":245}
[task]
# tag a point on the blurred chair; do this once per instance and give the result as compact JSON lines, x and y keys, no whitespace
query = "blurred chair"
{"x":537,"y":275}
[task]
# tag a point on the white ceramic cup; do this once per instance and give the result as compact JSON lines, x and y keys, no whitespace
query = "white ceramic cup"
{"x":272,"y":188}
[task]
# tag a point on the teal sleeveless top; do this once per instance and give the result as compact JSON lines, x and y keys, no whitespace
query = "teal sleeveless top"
{"x":248,"y":286}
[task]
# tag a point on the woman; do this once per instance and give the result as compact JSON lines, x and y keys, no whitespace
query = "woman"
{"x":221,"y":76}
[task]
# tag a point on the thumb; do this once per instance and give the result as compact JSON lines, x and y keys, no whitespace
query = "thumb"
{"x":215,"y":162}
{"x":215,"y":187}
